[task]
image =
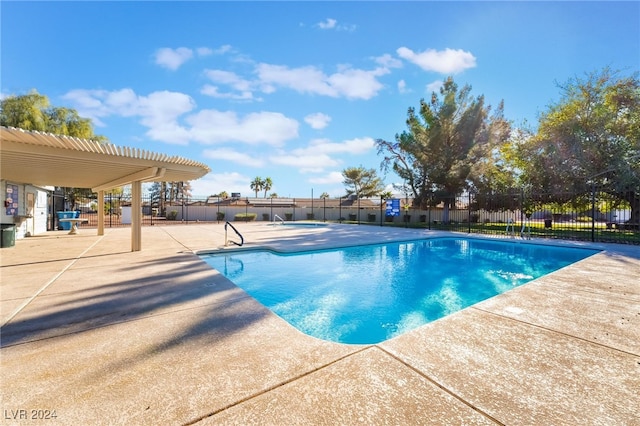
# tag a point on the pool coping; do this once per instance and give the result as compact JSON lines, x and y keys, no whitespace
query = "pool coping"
{"x":109,"y":337}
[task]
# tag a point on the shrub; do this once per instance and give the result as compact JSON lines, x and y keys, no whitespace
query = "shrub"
{"x":245,"y":217}
{"x":372,"y":217}
{"x":288,"y":216}
{"x":265,"y":217}
{"x":220,"y":216}
{"x":310,"y":216}
{"x":172,"y":215}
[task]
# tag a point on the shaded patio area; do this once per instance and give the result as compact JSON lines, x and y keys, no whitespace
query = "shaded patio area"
{"x":103,"y":335}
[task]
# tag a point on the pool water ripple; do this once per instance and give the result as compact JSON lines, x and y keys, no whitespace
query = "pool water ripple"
{"x":368,"y":294}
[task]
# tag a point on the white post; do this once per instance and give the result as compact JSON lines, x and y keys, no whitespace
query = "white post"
{"x":100,"y":212}
{"x":136,"y":216}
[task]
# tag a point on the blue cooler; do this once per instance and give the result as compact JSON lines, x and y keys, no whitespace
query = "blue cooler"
{"x":66,"y":215}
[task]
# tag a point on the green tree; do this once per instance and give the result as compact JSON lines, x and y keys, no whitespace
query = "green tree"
{"x":178,"y":191}
{"x":169,"y":192}
{"x":34,"y":112}
{"x":25,"y":112}
{"x":386,"y":195}
{"x":112,"y":201}
{"x":362,"y":182}
{"x":324,"y":195}
{"x":256,"y":185}
{"x":450,"y":144}
{"x":589,"y":139}
{"x":267,"y":184}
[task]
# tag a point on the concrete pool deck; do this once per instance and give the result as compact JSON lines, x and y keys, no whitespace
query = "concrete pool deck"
{"x":102,"y":335}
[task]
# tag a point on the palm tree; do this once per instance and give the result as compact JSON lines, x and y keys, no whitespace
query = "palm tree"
{"x":257,"y":185}
{"x":267,"y":184}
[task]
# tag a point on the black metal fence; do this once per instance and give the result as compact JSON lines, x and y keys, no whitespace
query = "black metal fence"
{"x":596,"y":217}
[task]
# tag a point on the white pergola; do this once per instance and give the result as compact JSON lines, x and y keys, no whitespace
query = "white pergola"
{"x":45,"y":159}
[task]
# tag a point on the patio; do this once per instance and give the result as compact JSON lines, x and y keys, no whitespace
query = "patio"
{"x":99,"y":334}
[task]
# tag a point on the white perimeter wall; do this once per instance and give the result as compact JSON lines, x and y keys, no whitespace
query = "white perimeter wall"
{"x":209,"y":213}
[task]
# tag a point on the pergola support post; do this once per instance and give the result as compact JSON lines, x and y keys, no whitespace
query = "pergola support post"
{"x":136,"y":215}
{"x":100,"y":212}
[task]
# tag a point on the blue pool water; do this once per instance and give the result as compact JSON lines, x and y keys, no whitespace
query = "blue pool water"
{"x":368,"y":294}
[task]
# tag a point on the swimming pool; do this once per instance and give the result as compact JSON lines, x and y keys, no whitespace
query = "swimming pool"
{"x":368,"y":294}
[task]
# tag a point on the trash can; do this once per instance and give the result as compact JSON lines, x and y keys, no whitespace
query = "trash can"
{"x":8,"y":235}
{"x":66,"y":226}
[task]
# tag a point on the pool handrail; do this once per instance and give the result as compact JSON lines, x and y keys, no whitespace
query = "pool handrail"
{"x":227,"y":241}
{"x":276,"y":217}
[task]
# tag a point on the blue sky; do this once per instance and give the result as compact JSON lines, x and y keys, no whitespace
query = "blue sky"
{"x":297,"y":91}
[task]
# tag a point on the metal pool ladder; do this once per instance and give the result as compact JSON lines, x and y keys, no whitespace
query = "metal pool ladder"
{"x":227,"y":241}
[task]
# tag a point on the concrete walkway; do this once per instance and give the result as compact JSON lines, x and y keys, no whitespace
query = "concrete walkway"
{"x":100,"y":335}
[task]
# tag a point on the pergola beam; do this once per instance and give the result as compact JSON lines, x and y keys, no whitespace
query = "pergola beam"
{"x":147,"y":174}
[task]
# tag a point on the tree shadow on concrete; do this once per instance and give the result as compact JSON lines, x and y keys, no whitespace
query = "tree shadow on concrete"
{"x":182,"y":284}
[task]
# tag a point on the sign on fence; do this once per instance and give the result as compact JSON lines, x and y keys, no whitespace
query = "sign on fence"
{"x":393,"y":207}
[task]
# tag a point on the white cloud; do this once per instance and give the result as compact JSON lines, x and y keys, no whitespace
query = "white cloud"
{"x":214,"y":92}
{"x":317,"y":120}
{"x":332,"y":24}
{"x":170,"y":132}
{"x":306,"y":162}
{"x":318,"y":155}
{"x":222,"y":49}
{"x":229,"y":78}
{"x":402,"y":87}
{"x":163,"y":106}
{"x":215,"y":183}
{"x":161,"y":111}
{"x":204,"y":51}
{"x":434,"y":86}
{"x":305,"y":79}
{"x":212,"y":126}
{"x":388,"y":61}
{"x":357,"y":84}
{"x":173,"y":58}
{"x":448,"y":61}
{"x":351,"y":146}
{"x":225,"y":154}
{"x":88,"y":104}
{"x":327,"y":24}
{"x":328,"y":179}
{"x":349,"y":82}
